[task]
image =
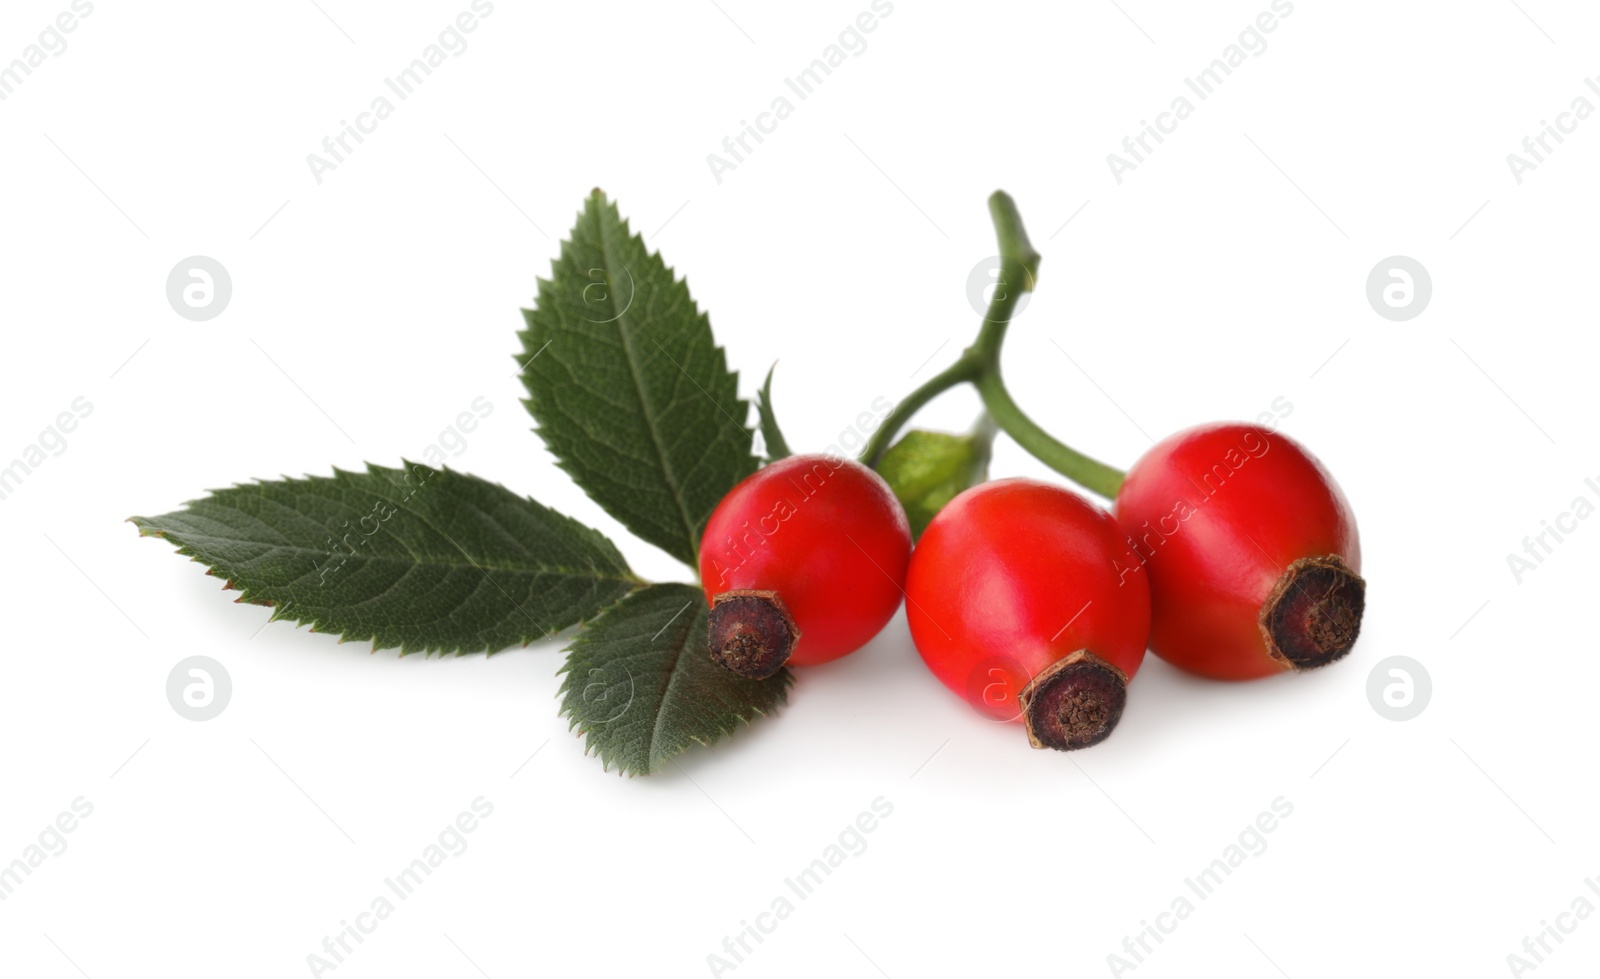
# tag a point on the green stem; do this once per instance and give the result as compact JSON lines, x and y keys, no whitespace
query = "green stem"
{"x":963,"y":370}
{"x":980,"y":364}
{"x":1019,"y":264}
{"x":982,"y":436}
{"x":1091,"y":474}
{"x":1019,"y":270}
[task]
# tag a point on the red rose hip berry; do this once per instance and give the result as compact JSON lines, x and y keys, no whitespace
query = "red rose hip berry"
{"x":1015,"y":604}
{"x":1251,"y":551}
{"x":803,"y":562}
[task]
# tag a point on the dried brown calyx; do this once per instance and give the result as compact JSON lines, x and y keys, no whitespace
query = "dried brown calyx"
{"x":1073,"y":703}
{"x":1313,"y":615}
{"x":751,"y":633}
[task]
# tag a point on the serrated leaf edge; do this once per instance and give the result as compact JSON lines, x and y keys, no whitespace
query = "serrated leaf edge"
{"x":280,"y":613}
{"x":590,"y":747}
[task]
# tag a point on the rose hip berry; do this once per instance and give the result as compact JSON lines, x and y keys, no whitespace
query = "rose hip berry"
{"x":1251,"y":551}
{"x":803,"y":562}
{"x":1015,"y":603}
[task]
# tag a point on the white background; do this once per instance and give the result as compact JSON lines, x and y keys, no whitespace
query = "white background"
{"x":372,"y":308}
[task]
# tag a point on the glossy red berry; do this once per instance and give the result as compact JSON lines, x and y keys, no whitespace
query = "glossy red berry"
{"x":1251,"y":551}
{"x":1015,"y":603}
{"x":803,"y":562}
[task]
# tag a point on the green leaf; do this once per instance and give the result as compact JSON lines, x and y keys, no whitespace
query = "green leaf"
{"x":424,"y":559}
{"x":630,"y":391}
{"x":641,"y":687}
{"x":926,"y":470}
{"x":771,"y":434}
